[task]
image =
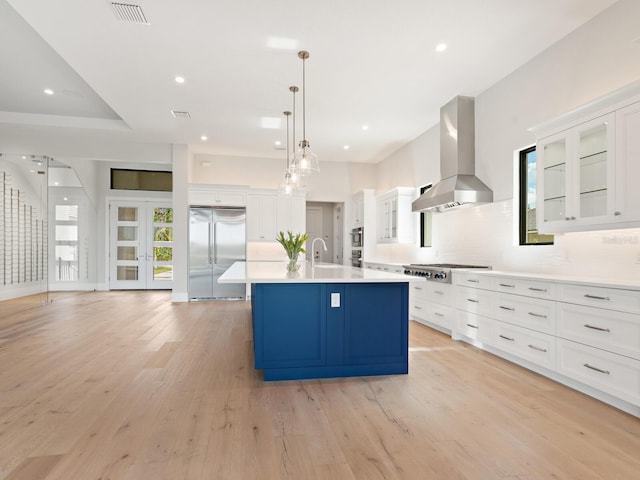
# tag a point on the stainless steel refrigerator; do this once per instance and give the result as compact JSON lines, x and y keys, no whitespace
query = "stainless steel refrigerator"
{"x":216,"y":240}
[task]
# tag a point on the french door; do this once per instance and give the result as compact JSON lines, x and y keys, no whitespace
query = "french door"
{"x":140,"y":245}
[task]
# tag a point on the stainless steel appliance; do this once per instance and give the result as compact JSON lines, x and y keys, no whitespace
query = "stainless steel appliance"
{"x":357,"y":237}
{"x":216,"y":241}
{"x":437,"y":272}
{"x":356,"y":258}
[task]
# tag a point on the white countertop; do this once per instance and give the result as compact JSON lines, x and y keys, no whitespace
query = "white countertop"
{"x":558,"y":278}
{"x":276,"y":272}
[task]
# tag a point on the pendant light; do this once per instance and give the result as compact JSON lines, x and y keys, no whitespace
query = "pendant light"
{"x":287,"y":187}
{"x":304,"y":162}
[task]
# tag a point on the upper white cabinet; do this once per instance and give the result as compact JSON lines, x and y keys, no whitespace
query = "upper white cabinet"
{"x":292,"y":213}
{"x":627,"y":195}
{"x":358,"y":209}
{"x":588,"y":165}
{"x":262,"y":217}
{"x":396,"y":223}
{"x":217,"y":195}
{"x":576,"y":177}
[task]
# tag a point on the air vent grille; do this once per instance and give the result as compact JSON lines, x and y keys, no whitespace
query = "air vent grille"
{"x":129,"y":13}
{"x":179,"y":114}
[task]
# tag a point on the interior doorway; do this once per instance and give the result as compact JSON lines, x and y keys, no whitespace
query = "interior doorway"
{"x":325,"y":220}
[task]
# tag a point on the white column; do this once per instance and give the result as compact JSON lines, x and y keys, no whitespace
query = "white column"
{"x":180,"y":159}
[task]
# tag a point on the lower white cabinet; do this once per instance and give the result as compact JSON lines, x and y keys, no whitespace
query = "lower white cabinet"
{"x":431,"y":304}
{"x":614,"y":374}
{"x":589,"y":334}
{"x":536,"y":347}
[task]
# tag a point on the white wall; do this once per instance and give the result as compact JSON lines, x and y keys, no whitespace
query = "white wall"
{"x":595,"y":59}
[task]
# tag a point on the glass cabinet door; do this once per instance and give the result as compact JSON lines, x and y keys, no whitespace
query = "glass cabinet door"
{"x":593,"y":169}
{"x":555,"y":180}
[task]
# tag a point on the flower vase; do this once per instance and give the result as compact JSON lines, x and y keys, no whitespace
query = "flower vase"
{"x":293,"y":265}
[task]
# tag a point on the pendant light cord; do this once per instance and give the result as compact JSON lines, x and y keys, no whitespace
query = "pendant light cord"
{"x":304,"y":103}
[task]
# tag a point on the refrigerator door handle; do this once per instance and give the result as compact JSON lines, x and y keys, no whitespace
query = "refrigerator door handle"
{"x":209,"y":243}
{"x":215,"y":245}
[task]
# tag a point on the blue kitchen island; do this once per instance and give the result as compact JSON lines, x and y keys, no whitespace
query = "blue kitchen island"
{"x":327,"y":320}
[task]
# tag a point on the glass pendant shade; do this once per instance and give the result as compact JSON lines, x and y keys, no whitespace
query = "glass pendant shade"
{"x":305,"y":162}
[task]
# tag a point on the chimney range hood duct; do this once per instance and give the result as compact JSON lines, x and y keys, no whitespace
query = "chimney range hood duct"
{"x":459,"y":185}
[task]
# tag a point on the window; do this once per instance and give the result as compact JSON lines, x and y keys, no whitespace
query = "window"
{"x":527,"y":205}
{"x":425,"y":222}
{"x":149,"y":180}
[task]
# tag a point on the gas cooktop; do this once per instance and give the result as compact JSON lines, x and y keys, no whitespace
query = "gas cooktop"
{"x":440,"y":272}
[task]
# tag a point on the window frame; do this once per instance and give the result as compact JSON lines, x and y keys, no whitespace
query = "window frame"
{"x":523,"y":197}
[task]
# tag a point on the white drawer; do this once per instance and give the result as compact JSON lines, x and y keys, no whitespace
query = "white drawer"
{"x":533,"y":313}
{"x":418,"y":308}
{"x":535,"y":347}
{"x":610,"y":298}
{"x":474,"y":300}
{"x":529,"y":288}
{"x":441,"y":293}
{"x":418,"y":291}
{"x":472,"y":279}
{"x":476,"y":327}
{"x":617,"y":332}
{"x":613,"y":374}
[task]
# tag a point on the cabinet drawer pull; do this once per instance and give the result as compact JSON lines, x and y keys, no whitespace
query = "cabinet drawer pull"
{"x":507,"y":308}
{"x":438,"y":314}
{"x":596,"y":297}
{"x":417,"y":307}
{"x":417,"y":288}
{"x":438,"y":292}
{"x":607,"y":372}
{"x":507,"y":338}
{"x":593,"y":327}
{"x":473,"y":281}
{"x":507,"y":285}
{"x":537,"y":348}
{"x":534,"y":289}
{"x":539,"y":315}
{"x":472,"y":326}
{"x":472,"y":300}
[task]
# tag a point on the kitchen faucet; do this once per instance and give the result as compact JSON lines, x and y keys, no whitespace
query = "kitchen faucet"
{"x":313,"y":249}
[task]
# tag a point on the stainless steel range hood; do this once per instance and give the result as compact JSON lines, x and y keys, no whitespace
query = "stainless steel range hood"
{"x":459,"y":185}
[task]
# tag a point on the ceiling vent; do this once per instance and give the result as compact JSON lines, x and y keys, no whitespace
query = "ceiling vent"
{"x":127,"y":12}
{"x":179,"y":114}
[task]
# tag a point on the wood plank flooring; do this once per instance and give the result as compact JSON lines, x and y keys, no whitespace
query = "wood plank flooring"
{"x":127,"y":385}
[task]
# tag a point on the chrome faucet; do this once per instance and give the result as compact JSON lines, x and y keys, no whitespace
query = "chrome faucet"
{"x":313,"y":249}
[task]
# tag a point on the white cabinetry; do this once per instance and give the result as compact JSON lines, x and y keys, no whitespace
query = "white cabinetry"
{"x":586,"y":336}
{"x":262,"y":217}
{"x":292,"y":213}
{"x":431,"y":303}
{"x":396,"y":223}
{"x":217,"y":195}
{"x":357,"y":201}
{"x":588,"y":166}
{"x":628,"y":165}
{"x":576,"y":177}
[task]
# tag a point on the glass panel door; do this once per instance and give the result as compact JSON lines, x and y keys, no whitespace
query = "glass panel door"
{"x":555,"y":180}
{"x":593,"y":167}
{"x":141,"y":245}
{"x":128,"y":262}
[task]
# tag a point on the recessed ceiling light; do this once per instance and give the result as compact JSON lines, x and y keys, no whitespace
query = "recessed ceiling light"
{"x":441,"y":47}
{"x":270,"y":122}
{"x":203,"y":138}
{"x":55,"y":183}
{"x":24,"y":157}
{"x":346,"y":147}
{"x":278,"y":143}
{"x":65,"y":199}
{"x":32,"y":171}
{"x":179,"y":79}
{"x":281,"y":43}
{"x":365,"y":127}
{"x":48,"y":91}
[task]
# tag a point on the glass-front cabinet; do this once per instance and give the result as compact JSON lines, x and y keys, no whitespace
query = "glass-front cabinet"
{"x":576,"y":175}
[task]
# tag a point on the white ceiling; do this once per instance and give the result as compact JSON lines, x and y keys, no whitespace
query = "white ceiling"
{"x":371,"y":62}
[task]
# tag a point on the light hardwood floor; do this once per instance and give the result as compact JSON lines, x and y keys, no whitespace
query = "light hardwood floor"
{"x":127,"y":385}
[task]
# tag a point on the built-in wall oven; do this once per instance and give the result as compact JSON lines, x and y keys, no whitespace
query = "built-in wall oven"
{"x":356,"y":258}
{"x":357,"y":237}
